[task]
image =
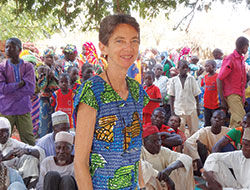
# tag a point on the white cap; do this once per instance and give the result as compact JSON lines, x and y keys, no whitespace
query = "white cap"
{"x":59,"y":117}
{"x":64,"y":136}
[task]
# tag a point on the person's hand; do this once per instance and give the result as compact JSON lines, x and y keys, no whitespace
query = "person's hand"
{"x":21,"y":84}
{"x":20,"y":151}
{"x":10,"y":155}
{"x":197,"y":164}
{"x":164,"y":174}
{"x":212,"y":183}
{"x":224,"y":105}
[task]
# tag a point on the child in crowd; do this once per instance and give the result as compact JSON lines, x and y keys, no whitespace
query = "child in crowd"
{"x":195,"y":68}
{"x":175,"y":122}
{"x":184,"y":102}
{"x":47,"y":84}
{"x":218,"y":57}
{"x":154,"y":95}
{"x":211,"y":100}
{"x":62,"y":99}
{"x":87,"y":71}
{"x":74,"y":78}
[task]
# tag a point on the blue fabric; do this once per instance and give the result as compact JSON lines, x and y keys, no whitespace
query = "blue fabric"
{"x":228,"y":148}
{"x":16,"y":181}
{"x":132,"y":71}
{"x":46,"y":110}
{"x":117,"y":139}
{"x":16,"y":68}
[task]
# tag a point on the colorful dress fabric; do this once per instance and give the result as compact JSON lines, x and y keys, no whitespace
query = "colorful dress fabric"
{"x":117,"y":141}
{"x":235,"y":136}
{"x":64,"y":102}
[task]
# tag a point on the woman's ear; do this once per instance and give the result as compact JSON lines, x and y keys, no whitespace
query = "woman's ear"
{"x":103,"y":48}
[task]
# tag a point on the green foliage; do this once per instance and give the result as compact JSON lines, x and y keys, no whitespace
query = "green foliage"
{"x":24,"y":25}
{"x":48,"y":15}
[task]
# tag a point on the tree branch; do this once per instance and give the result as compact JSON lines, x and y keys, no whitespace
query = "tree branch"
{"x":118,"y":6}
{"x":185,"y":17}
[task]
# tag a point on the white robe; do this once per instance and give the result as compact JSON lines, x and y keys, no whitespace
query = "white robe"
{"x":220,"y":162}
{"x":26,"y":165}
{"x":152,"y":164}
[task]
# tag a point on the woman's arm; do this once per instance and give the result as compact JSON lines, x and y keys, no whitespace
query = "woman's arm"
{"x":86,"y":119}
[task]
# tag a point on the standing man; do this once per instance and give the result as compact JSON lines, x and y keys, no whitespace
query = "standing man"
{"x":231,"y":82}
{"x":17,"y":84}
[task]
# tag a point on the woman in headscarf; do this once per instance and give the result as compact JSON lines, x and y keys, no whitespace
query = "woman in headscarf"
{"x":70,"y":57}
{"x":47,"y":83}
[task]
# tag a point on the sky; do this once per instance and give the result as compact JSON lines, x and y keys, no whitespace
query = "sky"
{"x":217,"y":28}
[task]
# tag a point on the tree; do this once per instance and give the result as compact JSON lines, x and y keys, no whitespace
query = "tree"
{"x":22,"y":25}
{"x":66,"y":11}
{"x":87,"y":14}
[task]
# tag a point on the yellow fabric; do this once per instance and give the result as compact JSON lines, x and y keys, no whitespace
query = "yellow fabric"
{"x":236,"y":109}
{"x":206,"y":137}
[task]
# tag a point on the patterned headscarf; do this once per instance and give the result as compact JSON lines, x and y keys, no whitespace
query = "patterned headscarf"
{"x":70,"y":49}
{"x":48,"y":51}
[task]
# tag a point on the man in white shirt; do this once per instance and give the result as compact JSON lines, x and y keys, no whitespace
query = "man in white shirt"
{"x":208,"y":136}
{"x":230,"y":170}
{"x":184,"y":101}
{"x":161,"y":165}
{"x":57,"y":172}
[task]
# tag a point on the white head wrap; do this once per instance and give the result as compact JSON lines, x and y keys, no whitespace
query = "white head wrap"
{"x":59,"y":117}
{"x":5,"y":124}
{"x":64,"y":136}
{"x":246,"y":134}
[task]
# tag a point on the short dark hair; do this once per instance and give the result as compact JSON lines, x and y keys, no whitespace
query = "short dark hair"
{"x":16,"y":41}
{"x":212,"y":62}
{"x":64,"y":75}
{"x":85,"y":66}
{"x":247,"y":115}
{"x":160,"y":109}
{"x":70,"y":68}
{"x":150,"y":73}
{"x":241,"y":42}
{"x":222,"y":113}
{"x":179,"y":118}
{"x":182,"y":62}
{"x":109,"y":23}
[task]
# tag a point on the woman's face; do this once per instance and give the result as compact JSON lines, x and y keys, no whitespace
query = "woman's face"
{"x":123,"y":46}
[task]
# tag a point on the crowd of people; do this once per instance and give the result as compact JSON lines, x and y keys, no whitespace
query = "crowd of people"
{"x":153,"y":121}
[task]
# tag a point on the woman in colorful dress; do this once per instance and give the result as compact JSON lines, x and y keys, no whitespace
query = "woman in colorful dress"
{"x":109,"y":129}
{"x":47,"y":83}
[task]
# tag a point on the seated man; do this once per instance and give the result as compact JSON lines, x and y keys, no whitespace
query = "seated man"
{"x":168,"y":135}
{"x":159,"y":164}
{"x":20,"y":156}
{"x":234,"y":136}
{"x":9,"y":178}
{"x":175,"y":122}
{"x":57,"y":172}
{"x":208,"y":136}
{"x":60,"y":122}
{"x":229,"y":170}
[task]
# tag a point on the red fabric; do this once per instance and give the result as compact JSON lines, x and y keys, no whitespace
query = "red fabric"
{"x":165,"y":128}
{"x":211,"y":100}
{"x":153,"y":92}
{"x":149,"y":130}
{"x":146,"y":118}
{"x":233,"y":75}
{"x":64,"y":102}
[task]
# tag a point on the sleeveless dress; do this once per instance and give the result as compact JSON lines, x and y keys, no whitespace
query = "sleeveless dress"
{"x":116,"y":147}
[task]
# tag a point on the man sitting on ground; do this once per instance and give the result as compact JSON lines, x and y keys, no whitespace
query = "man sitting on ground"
{"x":168,"y":135}
{"x":57,"y":172}
{"x":159,"y":164}
{"x":232,"y":140}
{"x":229,"y":169}
{"x":20,"y":156}
{"x":60,"y":122}
{"x":207,"y":136}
